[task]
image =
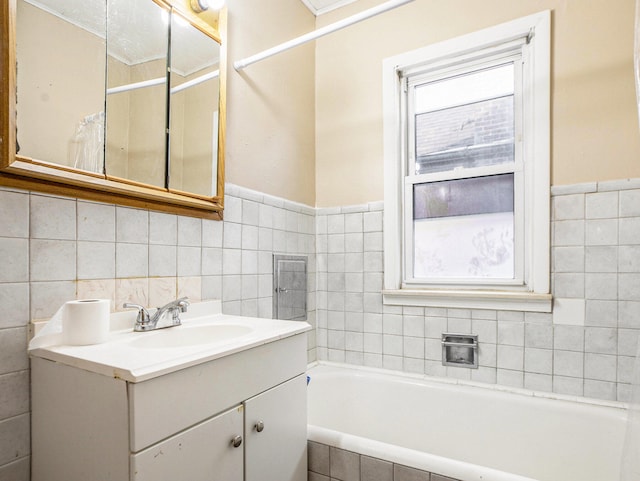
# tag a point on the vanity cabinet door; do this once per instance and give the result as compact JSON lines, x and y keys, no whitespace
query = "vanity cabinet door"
{"x":204,"y":452}
{"x":276,"y":433}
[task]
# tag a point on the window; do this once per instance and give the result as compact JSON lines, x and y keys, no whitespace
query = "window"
{"x":467,"y":170}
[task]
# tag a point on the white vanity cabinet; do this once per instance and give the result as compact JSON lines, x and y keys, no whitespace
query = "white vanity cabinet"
{"x":179,"y":425}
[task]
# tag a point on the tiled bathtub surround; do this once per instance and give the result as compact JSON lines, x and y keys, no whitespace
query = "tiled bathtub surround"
{"x":586,"y":347}
{"x":54,"y":249}
{"x":327,"y":463}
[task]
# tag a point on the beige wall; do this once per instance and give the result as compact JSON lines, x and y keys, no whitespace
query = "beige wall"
{"x":270,"y":143}
{"x":594,"y":120}
{"x":306,"y":124}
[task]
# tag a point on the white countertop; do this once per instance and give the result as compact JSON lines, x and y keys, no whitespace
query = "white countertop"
{"x":119,"y":357}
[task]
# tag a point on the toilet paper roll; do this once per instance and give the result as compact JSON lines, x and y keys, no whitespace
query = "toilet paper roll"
{"x":85,"y":321}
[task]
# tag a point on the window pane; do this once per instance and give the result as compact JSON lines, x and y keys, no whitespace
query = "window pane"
{"x":465,"y":121}
{"x":469,"y":88}
{"x":464,"y":229}
{"x":477,"y":195}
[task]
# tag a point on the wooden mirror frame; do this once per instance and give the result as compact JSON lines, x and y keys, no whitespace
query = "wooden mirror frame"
{"x":30,"y":174}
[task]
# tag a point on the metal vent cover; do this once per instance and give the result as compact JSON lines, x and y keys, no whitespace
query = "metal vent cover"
{"x":290,"y":287}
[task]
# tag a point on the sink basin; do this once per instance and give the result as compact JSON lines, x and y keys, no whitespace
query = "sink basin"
{"x":189,"y":336}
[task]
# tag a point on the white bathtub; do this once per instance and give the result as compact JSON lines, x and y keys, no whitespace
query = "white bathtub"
{"x":464,"y":431}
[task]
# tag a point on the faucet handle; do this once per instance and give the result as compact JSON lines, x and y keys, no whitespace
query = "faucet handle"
{"x":183,"y":303}
{"x":180,"y":306}
{"x":143,"y":314}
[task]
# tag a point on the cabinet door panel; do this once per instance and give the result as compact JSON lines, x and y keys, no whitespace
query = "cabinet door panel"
{"x":201,"y":453}
{"x":279,"y":451}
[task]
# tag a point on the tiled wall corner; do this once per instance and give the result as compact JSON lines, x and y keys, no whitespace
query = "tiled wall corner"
{"x":54,"y":249}
{"x":349,"y":284}
{"x":255,"y":227}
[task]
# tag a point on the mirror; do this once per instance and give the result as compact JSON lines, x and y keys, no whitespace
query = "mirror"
{"x":61,"y":84}
{"x":193,"y":130}
{"x":118,"y":100}
{"x":136,"y":94}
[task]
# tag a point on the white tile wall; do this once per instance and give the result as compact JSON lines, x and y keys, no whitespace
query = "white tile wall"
{"x":567,"y":207}
{"x":189,"y":231}
{"x":602,"y":205}
{"x":47,"y":297}
{"x":163,"y":229}
{"x":132,"y":225}
{"x":132,"y":260}
{"x":14,"y":297}
{"x":52,"y":218}
{"x":14,"y":438}
{"x":211,"y":233}
{"x":569,"y":311}
{"x":14,"y":394}
{"x":96,"y":222}
{"x":15,"y":262}
{"x":163,"y":260}
{"x":52,"y":260}
{"x":14,"y":215}
{"x":53,"y":249}
{"x":16,"y":471}
{"x":96,"y":260}
{"x":189,"y":261}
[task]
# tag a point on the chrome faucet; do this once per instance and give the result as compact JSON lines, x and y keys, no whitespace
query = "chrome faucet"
{"x":148,"y":322}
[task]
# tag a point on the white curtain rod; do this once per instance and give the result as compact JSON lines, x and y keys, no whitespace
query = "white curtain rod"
{"x":161,"y":80}
{"x":136,"y":85}
{"x":320,"y":32}
{"x":196,"y":81}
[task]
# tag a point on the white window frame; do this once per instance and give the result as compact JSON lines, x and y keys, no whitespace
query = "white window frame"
{"x":533,"y":293}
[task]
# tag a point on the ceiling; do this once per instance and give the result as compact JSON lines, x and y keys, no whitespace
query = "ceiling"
{"x":318,"y":7}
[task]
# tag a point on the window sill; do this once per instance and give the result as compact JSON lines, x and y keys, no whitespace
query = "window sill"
{"x":469,"y":299}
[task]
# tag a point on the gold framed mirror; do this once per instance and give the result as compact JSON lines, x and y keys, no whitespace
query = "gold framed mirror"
{"x":123,"y":101}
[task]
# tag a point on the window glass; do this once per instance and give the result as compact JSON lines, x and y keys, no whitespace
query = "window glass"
{"x":464,"y":228}
{"x":465,"y":121}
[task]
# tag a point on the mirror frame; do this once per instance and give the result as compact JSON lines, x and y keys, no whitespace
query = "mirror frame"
{"x":22,"y":172}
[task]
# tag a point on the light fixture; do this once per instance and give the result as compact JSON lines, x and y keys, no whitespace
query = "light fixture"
{"x":215,"y":4}
{"x":199,"y":6}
